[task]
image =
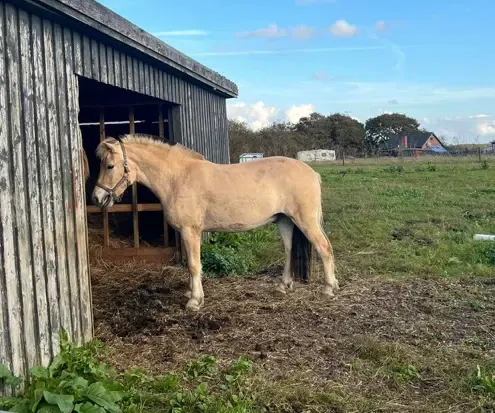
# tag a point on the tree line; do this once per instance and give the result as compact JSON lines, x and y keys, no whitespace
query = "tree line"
{"x":339,"y":132}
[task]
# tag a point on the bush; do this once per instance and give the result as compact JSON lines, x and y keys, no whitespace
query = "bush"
{"x":239,"y":253}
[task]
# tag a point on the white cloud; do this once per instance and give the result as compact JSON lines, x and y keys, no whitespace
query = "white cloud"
{"x":462,"y":129}
{"x":380,"y":26}
{"x":302,"y":32}
{"x":179,"y":33}
{"x":341,"y":28}
{"x":272,"y":31}
{"x":296,"y":112}
{"x":256,"y":115}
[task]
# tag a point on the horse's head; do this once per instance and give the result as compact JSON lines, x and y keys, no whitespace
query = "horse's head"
{"x":115,"y":175}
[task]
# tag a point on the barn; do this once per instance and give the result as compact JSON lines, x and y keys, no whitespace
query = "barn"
{"x":71,"y":73}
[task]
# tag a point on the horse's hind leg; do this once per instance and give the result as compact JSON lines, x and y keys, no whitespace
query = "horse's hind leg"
{"x":286,"y":227}
{"x":192,"y":244}
{"x":313,"y":231}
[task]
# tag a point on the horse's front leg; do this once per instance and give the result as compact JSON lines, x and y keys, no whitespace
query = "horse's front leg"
{"x":192,"y":244}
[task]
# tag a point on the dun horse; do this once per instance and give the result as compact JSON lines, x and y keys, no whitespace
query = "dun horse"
{"x":197,"y":195}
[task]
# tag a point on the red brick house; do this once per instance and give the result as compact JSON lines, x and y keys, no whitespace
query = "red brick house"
{"x":414,"y":143}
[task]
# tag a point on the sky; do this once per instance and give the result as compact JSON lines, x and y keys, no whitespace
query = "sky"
{"x":432,"y":60}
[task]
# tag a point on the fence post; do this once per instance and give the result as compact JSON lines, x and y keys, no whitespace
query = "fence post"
{"x":343,"y":159}
{"x":479,"y":154}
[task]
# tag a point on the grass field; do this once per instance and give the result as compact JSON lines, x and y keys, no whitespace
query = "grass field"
{"x":412,"y":329}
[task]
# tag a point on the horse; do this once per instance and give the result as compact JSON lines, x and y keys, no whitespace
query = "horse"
{"x":199,"y":196}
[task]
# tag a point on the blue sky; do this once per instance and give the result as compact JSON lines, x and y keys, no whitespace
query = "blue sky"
{"x":432,"y":60}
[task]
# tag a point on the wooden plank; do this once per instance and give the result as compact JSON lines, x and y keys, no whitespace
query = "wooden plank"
{"x":110,"y":66}
{"x":78,"y":53}
{"x":24,"y":279}
{"x":83,"y":298}
{"x":120,"y":208}
{"x":86,"y":56}
{"x":11,"y":351}
{"x":45,"y":167}
{"x":95,"y":60}
{"x":61,"y":45}
{"x":106,"y":227}
{"x":117,"y":68}
{"x":56,"y":182}
{"x":145,"y":70}
{"x":135,"y":213}
{"x":103,"y":63}
{"x":42,"y":345}
{"x":157,"y":255}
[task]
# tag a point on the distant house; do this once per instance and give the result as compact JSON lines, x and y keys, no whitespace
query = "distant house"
{"x":248,"y":157}
{"x":414,"y":143}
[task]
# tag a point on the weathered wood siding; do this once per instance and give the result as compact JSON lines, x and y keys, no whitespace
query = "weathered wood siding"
{"x":44,"y":274}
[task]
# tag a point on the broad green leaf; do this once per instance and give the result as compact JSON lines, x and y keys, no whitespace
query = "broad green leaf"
{"x":57,"y":362}
{"x":63,"y":401}
{"x":4,"y":372}
{"x":101,"y":396}
{"x":45,"y":407}
{"x":39,"y":372}
{"x":38,"y":396}
{"x":89,"y":408}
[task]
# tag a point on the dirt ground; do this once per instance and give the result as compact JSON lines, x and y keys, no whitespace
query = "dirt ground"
{"x":442,"y":326}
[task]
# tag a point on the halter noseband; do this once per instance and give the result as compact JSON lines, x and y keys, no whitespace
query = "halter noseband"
{"x":125,"y":178}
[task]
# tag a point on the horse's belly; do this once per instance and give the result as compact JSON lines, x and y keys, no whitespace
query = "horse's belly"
{"x":242,"y":219}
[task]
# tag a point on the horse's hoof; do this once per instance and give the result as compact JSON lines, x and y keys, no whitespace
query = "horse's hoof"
{"x":328,"y":291}
{"x":280,"y":290}
{"x":193,"y":305}
{"x":188,"y":294}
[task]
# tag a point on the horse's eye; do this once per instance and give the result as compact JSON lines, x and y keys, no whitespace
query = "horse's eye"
{"x":110,"y":166}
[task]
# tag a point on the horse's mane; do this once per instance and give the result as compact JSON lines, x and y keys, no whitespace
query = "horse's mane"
{"x":148,"y":140}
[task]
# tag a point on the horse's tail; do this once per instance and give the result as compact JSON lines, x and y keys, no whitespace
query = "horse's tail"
{"x":302,"y":249}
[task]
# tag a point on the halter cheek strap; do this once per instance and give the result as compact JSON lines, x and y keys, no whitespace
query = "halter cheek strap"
{"x":124,"y":179}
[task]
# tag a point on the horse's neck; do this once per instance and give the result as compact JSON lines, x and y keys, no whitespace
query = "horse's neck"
{"x":155,"y":165}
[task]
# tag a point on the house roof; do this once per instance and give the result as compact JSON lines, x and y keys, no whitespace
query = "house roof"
{"x":93,"y":15}
{"x":414,"y":139}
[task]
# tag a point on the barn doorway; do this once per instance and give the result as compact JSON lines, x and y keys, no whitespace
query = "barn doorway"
{"x":133,"y":229}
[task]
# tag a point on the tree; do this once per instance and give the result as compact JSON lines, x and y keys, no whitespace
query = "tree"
{"x":347,"y":134}
{"x":316,"y":128}
{"x":380,"y":127}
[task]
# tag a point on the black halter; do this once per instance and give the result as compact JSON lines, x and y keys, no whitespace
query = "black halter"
{"x":125,"y":178}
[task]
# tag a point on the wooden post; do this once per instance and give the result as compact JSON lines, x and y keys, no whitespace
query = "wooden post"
{"x":479,"y":154}
{"x":343,"y":158}
{"x":106,"y":229}
{"x":135,"y":213}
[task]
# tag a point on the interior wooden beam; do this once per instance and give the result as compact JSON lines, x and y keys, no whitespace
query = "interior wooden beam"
{"x":119,"y":208}
{"x":106,"y":227}
{"x":135,"y":213}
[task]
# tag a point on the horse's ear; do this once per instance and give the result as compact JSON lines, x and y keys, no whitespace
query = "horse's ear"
{"x":107,"y":146}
